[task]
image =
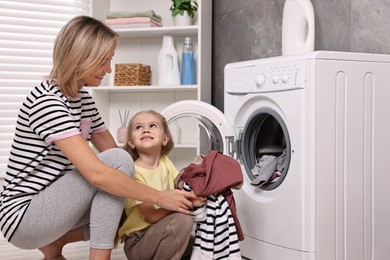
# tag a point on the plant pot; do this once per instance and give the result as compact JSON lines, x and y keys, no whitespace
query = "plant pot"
{"x":183,"y":20}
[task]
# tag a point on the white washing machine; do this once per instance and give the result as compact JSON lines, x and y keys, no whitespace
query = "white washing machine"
{"x":326,"y":114}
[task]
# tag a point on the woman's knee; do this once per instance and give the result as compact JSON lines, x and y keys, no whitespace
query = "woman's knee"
{"x":118,"y":159}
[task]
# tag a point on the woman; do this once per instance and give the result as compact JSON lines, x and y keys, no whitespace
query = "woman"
{"x":57,"y":190}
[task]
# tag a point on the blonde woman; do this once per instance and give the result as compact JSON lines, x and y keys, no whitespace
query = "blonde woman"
{"x":57,"y":190}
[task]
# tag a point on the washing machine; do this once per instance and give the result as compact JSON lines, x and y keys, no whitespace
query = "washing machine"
{"x":322,"y":119}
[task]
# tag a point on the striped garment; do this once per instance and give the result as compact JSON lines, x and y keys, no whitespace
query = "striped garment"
{"x":216,"y":237}
{"x":35,"y":162}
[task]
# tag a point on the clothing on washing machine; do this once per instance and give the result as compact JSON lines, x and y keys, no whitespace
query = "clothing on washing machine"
{"x":199,"y":213}
{"x":264,"y":169}
{"x":216,"y":236}
{"x":216,"y":173}
{"x":268,"y":168}
{"x":213,"y":176}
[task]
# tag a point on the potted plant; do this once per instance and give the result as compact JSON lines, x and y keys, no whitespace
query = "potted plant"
{"x":184,"y":11}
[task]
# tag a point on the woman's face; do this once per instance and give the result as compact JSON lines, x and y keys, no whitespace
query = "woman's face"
{"x":95,"y":78}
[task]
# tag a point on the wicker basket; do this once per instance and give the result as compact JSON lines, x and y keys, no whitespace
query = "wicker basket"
{"x":132,"y":74}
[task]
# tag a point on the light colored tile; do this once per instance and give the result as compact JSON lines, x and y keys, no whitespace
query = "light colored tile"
{"x":74,"y":251}
{"x":251,"y":32}
{"x":370,"y":26}
{"x":332,"y":19}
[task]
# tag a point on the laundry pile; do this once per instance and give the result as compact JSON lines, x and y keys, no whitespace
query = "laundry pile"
{"x":124,"y":19}
{"x":269,"y":168}
{"x":218,"y":230}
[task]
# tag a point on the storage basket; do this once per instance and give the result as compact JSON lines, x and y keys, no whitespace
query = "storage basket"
{"x":132,"y":74}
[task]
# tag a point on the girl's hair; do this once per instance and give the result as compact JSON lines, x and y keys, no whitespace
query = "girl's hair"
{"x":82,"y":44}
{"x":164,"y":149}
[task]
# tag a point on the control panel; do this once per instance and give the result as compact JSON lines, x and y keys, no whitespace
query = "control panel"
{"x":265,"y":75}
{"x":279,"y":76}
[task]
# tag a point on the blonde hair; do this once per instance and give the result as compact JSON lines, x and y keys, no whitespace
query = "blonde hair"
{"x":82,"y":44}
{"x":164,"y":149}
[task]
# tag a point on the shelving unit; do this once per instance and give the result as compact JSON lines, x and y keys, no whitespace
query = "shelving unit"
{"x":142,"y":45}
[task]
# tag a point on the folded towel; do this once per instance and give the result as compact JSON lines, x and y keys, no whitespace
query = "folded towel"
{"x":133,"y":25}
{"x":125,"y":14}
{"x":132,"y":20}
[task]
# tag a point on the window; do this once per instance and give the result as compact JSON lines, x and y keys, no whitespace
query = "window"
{"x":27,"y":32}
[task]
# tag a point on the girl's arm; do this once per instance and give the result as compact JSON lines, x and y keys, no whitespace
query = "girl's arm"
{"x":117,"y":183}
{"x":151,"y":214}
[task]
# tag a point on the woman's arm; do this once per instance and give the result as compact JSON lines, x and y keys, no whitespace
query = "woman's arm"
{"x":115,"y":182}
{"x":103,"y":141}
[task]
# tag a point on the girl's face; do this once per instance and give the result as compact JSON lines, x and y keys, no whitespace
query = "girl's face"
{"x":147,"y":133}
{"x":95,"y":78}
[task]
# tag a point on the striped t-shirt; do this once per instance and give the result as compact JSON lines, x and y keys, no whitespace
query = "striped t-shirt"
{"x":35,"y":162}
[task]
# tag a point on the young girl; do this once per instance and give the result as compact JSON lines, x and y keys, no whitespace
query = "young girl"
{"x":151,"y":232}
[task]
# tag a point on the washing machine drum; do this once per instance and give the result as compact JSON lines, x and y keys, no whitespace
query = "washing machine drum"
{"x":209,"y":136}
{"x":265,"y":149}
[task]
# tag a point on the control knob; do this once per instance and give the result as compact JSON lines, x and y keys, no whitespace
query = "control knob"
{"x":275,"y":79}
{"x":284,"y":78}
{"x":260,"y":80}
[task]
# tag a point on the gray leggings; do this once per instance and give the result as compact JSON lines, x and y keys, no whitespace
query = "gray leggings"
{"x":72,"y":202}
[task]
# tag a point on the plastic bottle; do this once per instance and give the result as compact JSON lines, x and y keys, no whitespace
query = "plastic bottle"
{"x":188,"y":63}
{"x":168,"y":67}
{"x":297,"y":27}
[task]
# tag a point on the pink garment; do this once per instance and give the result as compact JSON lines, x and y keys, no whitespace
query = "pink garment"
{"x":133,"y":25}
{"x":132,"y":20}
{"x":216,"y":174}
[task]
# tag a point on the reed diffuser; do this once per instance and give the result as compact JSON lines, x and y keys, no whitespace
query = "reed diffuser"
{"x":121,"y":135}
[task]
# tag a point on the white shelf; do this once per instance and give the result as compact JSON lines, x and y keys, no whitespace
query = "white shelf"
{"x":153,"y":32}
{"x":129,"y":89}
{"x":142,"y":45}
{"x":179,"y":145}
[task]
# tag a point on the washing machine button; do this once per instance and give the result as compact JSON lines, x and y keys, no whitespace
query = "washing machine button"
{"x":275,"y":79}
{"x":260,"y":81}
{"x":285,"y":78}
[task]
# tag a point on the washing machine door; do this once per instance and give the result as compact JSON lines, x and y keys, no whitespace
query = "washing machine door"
{"x":198,"y":127}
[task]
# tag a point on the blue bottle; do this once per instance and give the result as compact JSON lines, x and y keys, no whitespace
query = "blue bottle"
{"x":187,"y":64}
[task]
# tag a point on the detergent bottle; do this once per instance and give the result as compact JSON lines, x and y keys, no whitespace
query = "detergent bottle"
{"x":187,"y":61}
{"x":167,"y":67}
{"x":297,"y":27}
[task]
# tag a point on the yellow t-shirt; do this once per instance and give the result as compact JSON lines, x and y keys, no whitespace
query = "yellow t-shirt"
{"x":160,"y":178}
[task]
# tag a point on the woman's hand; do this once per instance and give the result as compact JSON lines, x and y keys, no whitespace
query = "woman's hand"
{"x":176,"y":200}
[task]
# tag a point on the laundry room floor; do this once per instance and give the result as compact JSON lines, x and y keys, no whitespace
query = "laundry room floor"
{"x":75,"y":251}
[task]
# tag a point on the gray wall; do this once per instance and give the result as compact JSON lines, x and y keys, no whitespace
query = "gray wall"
{"x":252,"y":29}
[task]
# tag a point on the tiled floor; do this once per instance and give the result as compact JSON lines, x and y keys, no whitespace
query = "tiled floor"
{"x":75,"y":251}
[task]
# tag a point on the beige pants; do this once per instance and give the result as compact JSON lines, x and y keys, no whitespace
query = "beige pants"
{"x":167,"y":239}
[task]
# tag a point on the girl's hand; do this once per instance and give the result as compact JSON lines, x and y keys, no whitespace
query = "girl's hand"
{"x":198,"y":201}
{"x":176,"y":200}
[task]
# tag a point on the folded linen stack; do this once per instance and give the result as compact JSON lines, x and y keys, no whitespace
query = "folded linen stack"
{"x":123,"y":19}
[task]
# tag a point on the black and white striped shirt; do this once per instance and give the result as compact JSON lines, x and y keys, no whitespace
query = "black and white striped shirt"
{"x":216,"y":236}
{"x":35,"y":162}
